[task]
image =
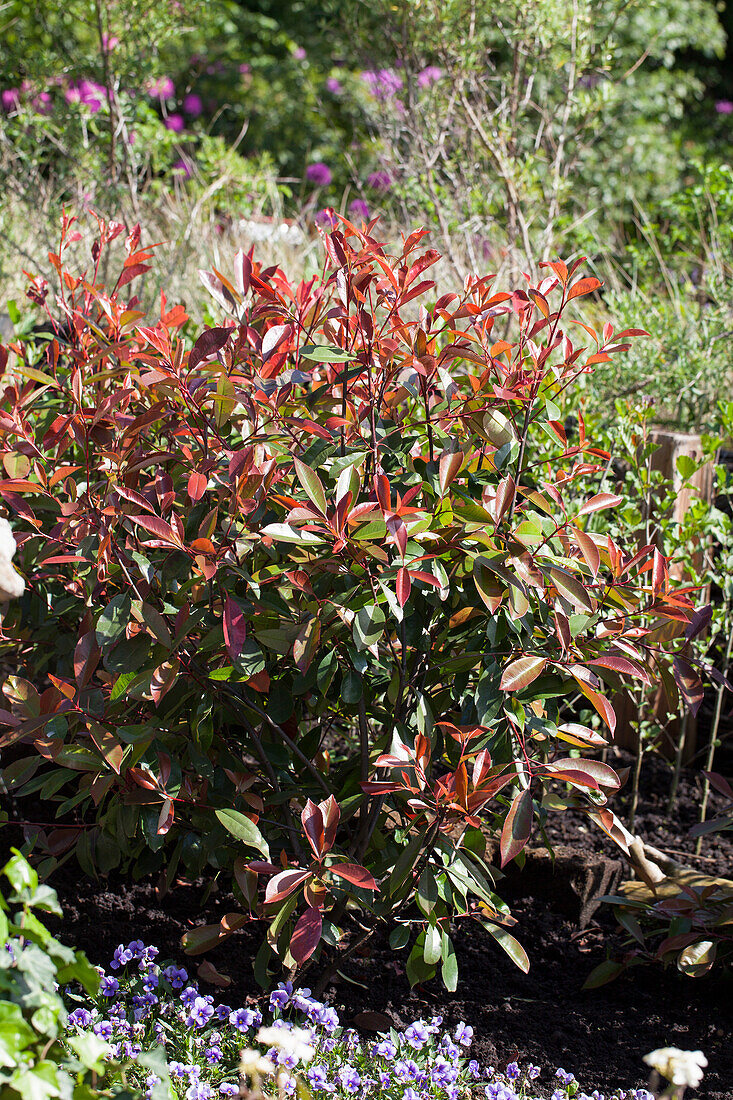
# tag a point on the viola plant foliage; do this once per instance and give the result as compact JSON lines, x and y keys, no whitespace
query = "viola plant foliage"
{"x":305,"y":603}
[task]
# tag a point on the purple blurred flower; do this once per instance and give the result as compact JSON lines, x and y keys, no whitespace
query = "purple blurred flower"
{"x":245,"y":69}
{"x":326,"y":218}
{"x":359,"y":209}
{"x":429,"y":76}
{"x":10,"y":99}
{"x":162,"y":88}
{"x":319,"y":174}
{"x":299,"y":53}
{"x":724,"y":107}
{"x":334,"y":85}
{"x":192,"y":105}
{"x":382,"y":84}
{"x":380,"y":180}
{"x":175,"y":123}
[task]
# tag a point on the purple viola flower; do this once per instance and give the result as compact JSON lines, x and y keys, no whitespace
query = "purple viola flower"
{"x":228,"y":1088}
{"x":213,"y":1054}
{"x":431,"y":75}
{"x":417,"y":1035}
{"x":384,"y":1079}
{"x":512,"y":1071}
{"x":724,"y":107}
{"x":103,"y":1030}
{"x":411,"y":1094}
{"x":533,"y":1072}
{"x":175,"y":123}
{"x":81,"y":1017}
{"x":121,"y":957}
{"x":359,"y":209}
{"x":463,"y":1034}
{"x":450,"y":1048}
{"x":177,"y":977}
{"x":349,"y":1078}
{"x":199,"y":1013}
{"x":385,"y":1049}
{"x":380,"y":180}
{"x":198,"y":1090}
{"x":222,"y":1012}
{"x":192,"y":105}
{"x":319,"y":174}
{"x":189,"y":995}
{"x":243,"y":1019}
{"x":565,"y":1078}
{"x":318,"y":1076}
{"x":327,"y":1018}
{"x":443,"y":1073}
{"x":108,"y":986}
{"x":474,"y":1069}
{"x":10,"y":99}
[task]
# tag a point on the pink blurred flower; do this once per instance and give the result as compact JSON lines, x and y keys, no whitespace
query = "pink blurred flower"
{"x":175,"y":123}
{"x":334,"y":85}
{"x":359,"y":209}
{"x":162,"y":88}
{"x":245,"y":69}
{"x":319,"y":174}
{"x":10,"y":99}
{"x":429,"y":76}
{"x":192,"y":105}
{"x":91,"y":95}
{"x":299,"y":53}
{"x":109,"y":42}
{"x":42,"y":103}
{"x":326,"y":218}
{"x":724,"y":107}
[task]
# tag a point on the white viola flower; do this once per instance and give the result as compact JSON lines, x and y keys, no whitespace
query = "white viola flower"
{"x":680,"y":1067}
{"x":12,"y":585}
{"x":295,"y":1041}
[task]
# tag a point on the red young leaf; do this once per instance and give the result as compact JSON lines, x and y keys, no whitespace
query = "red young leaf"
{"x":207,"y":345}
{"x":599,"y":501}
{"x":517,"y":826}
{"x":306,"y":935}
{"x":355,"y":874}
{"x":282,"y":885}
{"x":403,"y":586}
{"x":520,"y":673}
{"x":583,"y":286}
{"x":235,"y":627}
{"x":197,"y":486}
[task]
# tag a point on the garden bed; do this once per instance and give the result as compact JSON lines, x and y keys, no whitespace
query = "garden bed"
{"x":543,"y":1016}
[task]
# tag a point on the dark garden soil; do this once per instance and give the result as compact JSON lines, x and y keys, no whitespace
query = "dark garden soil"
{"x":543,"y":1016}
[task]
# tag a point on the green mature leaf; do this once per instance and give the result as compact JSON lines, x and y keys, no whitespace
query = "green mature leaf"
{"x":15,"y":1033}
{"x":112,"y":622}
{"x":243,"y":829}
{"x":603,"y":973}
{"x":311,"y":482}
{"x":90,"y":1050}
{"x":508,"y":943}
{"x":326,"y":354}
{"x":368,"y":626}
{"x":450,"y":964}
{"x":37,"y":1082}
{"x":433,"y":948}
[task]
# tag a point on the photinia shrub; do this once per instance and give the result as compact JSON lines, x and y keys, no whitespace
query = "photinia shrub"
{"x":305,"y":602}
